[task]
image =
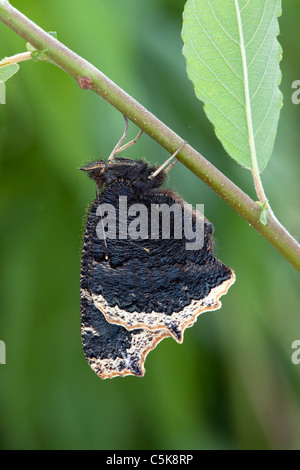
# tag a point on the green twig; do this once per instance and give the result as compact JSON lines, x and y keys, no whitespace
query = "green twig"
{"x":89,"y":77}
{"x":15,"y":59}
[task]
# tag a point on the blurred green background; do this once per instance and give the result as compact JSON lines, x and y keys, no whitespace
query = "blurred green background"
{"x":231,"y":384}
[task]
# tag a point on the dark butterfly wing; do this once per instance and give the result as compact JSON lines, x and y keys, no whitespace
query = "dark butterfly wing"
{"x":153,"y":284}
{"x":111,"y":350}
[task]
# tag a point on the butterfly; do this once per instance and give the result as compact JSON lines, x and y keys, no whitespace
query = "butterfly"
{"x":144,"y":277}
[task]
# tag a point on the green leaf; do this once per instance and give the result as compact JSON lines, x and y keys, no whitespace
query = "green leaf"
{"x":232,"y":56}
{"x":7,"y":71}
{"x":263,"y":216}
{"x":53,"y":34}
{"x":37,"y":54}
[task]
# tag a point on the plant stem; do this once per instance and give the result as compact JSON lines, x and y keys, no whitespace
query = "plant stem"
{"x":89,"y":77}
{"x":255,"y":171}
{"x":15,"y":59}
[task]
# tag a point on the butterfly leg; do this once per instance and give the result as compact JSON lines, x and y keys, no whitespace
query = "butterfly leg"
{"x":167,"y":162}
{"x":117,"y":149}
